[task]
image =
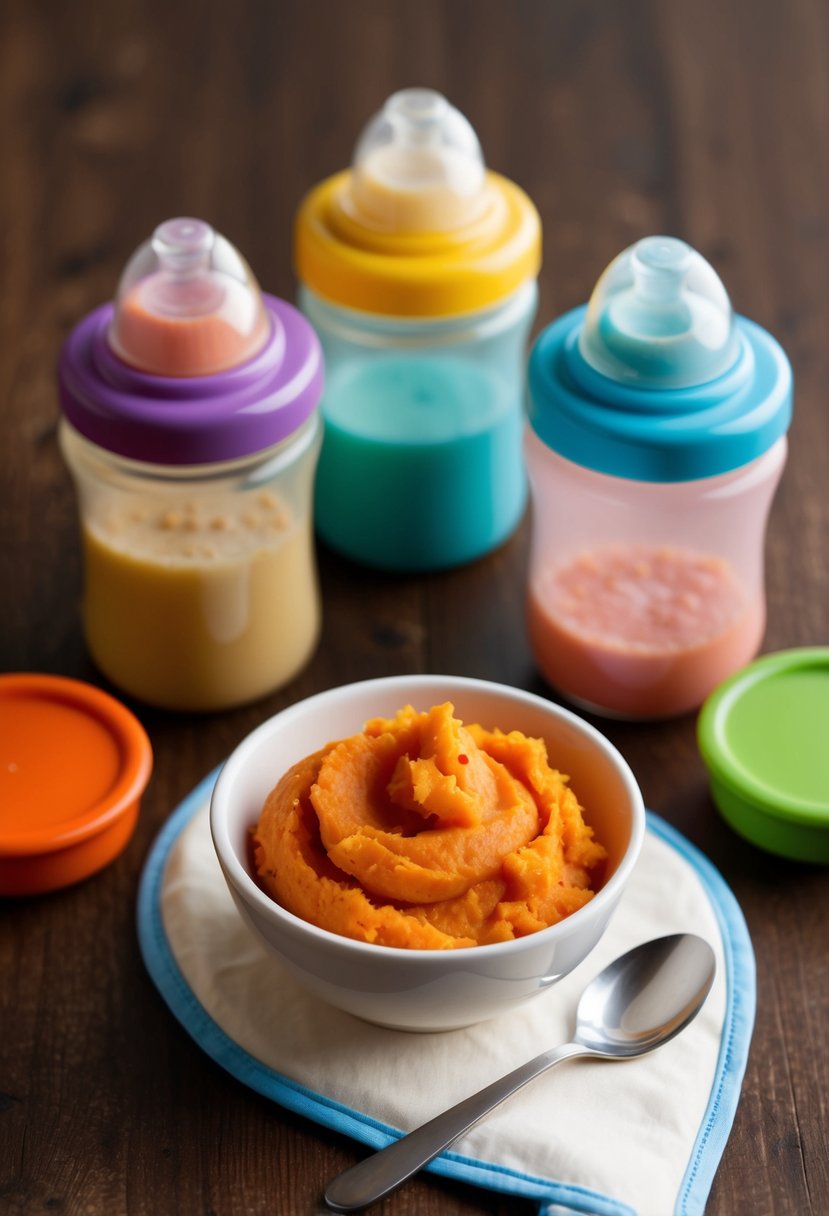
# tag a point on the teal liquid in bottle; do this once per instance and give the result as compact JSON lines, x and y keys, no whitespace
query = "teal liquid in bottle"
{"x":426,"y":452}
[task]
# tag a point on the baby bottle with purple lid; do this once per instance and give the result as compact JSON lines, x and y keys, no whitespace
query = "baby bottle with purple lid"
{"x":190,"y":426}
{"x":657,"y":437}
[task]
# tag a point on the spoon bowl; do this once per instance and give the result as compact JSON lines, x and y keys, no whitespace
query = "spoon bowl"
{"x":637,"y":1003}
{"x":645,"y":997}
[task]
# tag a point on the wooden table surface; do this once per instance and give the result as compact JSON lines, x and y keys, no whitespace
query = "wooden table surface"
{"x":706,"y":120}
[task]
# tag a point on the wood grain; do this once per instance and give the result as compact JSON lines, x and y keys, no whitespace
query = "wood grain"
{"x":705,"y":120}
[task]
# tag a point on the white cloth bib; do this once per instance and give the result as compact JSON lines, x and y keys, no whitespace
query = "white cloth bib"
{"x":644,"y":1136}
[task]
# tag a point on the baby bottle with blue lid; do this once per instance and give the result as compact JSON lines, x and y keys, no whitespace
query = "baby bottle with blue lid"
{"x":418,"y":271}
{"x":657,"y":438}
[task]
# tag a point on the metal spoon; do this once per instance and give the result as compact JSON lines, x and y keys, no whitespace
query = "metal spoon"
{"x":637,"y":1003}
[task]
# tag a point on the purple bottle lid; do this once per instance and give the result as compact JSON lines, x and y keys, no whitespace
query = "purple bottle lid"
{"x":241,"y":370}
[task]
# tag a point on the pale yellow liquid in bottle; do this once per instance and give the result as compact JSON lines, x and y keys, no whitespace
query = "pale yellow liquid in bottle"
{"x":200,"y":606}
{"x":410,"y":190}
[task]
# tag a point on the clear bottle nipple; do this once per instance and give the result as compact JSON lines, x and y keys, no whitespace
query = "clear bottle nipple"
{"x":659,"y":317}
{"x":187,"y":304}
{"x":418,"y":167}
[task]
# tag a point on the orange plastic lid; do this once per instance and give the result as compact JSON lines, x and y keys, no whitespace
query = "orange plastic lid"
{"x":73,"y":762}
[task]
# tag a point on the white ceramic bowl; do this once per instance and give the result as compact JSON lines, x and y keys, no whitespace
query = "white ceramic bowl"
{"x":426,"y":989}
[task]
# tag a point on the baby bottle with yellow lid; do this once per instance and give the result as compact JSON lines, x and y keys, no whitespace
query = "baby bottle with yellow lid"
{"x":191,"y":428}
{"x":657,"y":437}
{"x":418,"y":270}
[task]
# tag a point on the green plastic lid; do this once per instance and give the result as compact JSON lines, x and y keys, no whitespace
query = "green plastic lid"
{"x":764,"y":735}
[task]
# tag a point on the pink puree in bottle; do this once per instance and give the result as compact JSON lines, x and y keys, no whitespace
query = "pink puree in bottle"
{"x":641,"y":630}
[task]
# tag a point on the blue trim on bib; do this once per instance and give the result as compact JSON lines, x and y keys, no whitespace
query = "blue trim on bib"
{"x":713,"y":1134}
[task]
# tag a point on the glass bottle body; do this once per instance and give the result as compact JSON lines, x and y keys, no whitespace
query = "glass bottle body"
{"x":200,"y":584}
{"x":421,"y":465}
{"x":643,"y":596}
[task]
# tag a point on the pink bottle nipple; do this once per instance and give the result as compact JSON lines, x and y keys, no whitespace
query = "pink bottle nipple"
{"x":187,"y":304}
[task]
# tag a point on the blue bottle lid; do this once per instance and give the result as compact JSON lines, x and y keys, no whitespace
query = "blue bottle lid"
{"x":657,"y":379}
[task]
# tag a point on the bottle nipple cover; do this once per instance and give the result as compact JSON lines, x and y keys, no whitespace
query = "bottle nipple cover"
{"x":187,"y":304}
{"x":418,"y":167}
{"x":660,"y":318}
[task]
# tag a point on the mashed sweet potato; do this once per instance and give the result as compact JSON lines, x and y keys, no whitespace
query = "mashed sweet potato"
{"x":425,"y":833}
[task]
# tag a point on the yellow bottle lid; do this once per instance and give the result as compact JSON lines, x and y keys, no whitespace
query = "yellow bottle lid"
{"x":417,"y":227}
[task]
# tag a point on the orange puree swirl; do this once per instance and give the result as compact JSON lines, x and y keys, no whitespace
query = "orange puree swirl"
{"x":425,"y":833}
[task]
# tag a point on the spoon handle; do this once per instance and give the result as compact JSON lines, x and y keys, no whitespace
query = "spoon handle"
{"x":384,"y":1171}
